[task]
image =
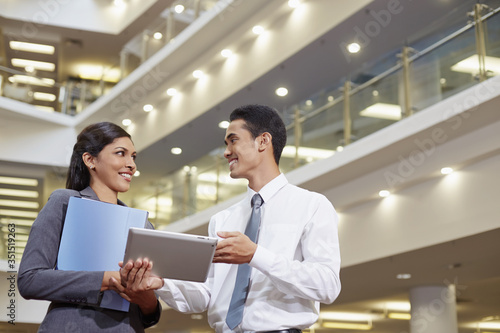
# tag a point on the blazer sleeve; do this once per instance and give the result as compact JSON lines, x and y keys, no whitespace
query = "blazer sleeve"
{"x":37,"y":278}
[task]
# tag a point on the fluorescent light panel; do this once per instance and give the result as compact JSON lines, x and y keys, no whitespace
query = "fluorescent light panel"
{"x":97,"y":73}
{"x":347,"y":326}
{"x":345,"y":316}
{"x":45,"y":108}
{"x":18,"y":213}
{"x":18,"y":181}
{"x":17,"y":222}
{"x":471,"y":65}
{"x":19,"y":204}
{"x":399,"y":315}
{"x":46,"y":97}
{"x":18,"y":193}
{"x":490,"y":325}
{"x":39,"y":65}
{"x":18,"y":237}
{"x":32,"y":47}
{"x":289,"y":151}
{"x":31,"y":80}
{"x":382,"y":111}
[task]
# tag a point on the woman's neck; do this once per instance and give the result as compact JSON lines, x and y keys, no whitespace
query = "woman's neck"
{"x":104,"y":193}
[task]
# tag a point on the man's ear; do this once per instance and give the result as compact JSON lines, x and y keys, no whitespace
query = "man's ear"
{"x":265,"y":141}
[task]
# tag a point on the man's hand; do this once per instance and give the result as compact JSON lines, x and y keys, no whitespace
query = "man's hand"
{"x":137,"y":284}
{"x":137,"y":277}
{"x":235,"y":248}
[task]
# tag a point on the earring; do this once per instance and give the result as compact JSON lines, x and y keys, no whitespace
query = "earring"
{"x":92,"y":167}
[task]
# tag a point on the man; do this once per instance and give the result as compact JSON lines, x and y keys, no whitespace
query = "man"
{"x":294,"y":262}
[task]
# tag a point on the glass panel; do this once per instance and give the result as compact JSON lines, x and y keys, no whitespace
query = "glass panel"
{"x":440,"y":74}
{"x":322,"y":133}
{"x":492,"y":27}
{"x":376,"y":106}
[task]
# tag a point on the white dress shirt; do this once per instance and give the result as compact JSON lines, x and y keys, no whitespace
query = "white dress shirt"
{"x":296,"y":265}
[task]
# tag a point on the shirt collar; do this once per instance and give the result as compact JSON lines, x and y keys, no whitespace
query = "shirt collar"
{"x":270,"y":189}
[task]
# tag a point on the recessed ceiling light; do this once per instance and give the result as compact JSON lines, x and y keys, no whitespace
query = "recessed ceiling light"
{"x":340,"y":148}
{"x":157,"y":35}
{"x":32,"y":47}
{"x":442,"y":80}
{"x":198,"y":74}
{"x":446,"y":170}
{"x":375,"y":93}
{"x":176,"y":151}
{"x":384,"y":193}
{"x":147,"y":108}
{"x":281,"y":91}
{"x":309,"y":102}
{"x":137,"y":173}
{"x":126,"y":122}
{"x":171,"y":91}
{"x":224,"y":124}
{"x":39,"y":65}
{"x":293,"y":3}
{"x":119,"y":3}
{"x":403,"y":276}
{"x":330,"y":98}
{"x":226,"y":53}
{"x":257,"y":29}
{"x":353,"y":48}
{"x":179,"y":9}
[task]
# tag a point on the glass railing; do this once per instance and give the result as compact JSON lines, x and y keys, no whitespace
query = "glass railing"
{"x":73,"y":95}
{"x":319,"y":127}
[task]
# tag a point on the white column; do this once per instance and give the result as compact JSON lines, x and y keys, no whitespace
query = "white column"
{"x":433,"y":309}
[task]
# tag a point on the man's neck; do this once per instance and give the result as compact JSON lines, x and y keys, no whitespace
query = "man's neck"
{"x":263,"y":177}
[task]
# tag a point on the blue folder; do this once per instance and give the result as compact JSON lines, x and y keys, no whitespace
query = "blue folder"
{"x":94,"y":238}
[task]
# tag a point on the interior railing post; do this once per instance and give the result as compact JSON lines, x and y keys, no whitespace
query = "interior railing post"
{"x":405,"y":60}
{"x":297,"y":130}
{"x":144,"y":45}
{"x":197,"y":5}
{"x":480,"y":42}
{"x":347,"y":113}
{"x":123,"y":63}
{"x":170,"y":25}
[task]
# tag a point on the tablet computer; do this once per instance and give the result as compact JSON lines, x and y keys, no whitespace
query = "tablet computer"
{"x":175,"y":255}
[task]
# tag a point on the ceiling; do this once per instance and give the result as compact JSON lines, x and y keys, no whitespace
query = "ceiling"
{"x":365,"y":286}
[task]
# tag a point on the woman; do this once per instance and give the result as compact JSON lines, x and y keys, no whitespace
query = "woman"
{"x":102,"y":165}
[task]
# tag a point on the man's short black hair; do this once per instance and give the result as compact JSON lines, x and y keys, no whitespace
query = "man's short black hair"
{"x":260,"y":119}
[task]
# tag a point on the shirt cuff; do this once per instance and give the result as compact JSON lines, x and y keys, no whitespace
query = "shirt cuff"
{"x":263,"y":259}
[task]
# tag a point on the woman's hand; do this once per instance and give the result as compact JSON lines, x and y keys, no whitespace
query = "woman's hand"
{"x":136,"y":284}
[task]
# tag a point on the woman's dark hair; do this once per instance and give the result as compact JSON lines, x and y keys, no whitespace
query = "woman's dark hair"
{"x":92,"y":139}
{"x":259,"y":119}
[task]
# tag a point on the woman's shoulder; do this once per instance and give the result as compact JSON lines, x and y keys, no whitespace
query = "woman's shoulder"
{"x":64,"y":194}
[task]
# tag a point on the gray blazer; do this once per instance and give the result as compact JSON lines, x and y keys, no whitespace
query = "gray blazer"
{"x":74,"y":295}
